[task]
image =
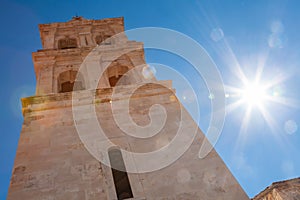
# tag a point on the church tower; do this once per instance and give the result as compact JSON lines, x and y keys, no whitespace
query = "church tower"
{"x":63,"y":154}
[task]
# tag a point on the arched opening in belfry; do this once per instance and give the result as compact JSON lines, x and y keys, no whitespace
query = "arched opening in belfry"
{"x":103,"y":39}
{"x":67,"y":43}
{"x":117,"y":75}
{"x":120,"y":176}
{"x":120,"y":71}
{"x":67,"y":81}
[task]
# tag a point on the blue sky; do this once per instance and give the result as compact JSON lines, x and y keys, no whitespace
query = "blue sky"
{"x":242,"y":37}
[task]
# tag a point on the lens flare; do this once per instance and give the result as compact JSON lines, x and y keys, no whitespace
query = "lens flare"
{"x":254,"y":94}
{"x":290,"y":127}
{"x":217,"y":34}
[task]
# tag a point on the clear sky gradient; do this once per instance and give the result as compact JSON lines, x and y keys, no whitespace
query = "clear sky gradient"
{"x":242,"y":37}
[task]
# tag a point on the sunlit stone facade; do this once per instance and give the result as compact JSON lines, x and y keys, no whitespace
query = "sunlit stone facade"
{"x":53,"y":163}
{"x":283,"y":190}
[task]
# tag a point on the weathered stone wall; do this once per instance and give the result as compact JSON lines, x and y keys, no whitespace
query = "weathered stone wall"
{"x":83,"y":30}
{"x":283,"y":190}
{"x":49,"y":64}
{"x":52,"y":162}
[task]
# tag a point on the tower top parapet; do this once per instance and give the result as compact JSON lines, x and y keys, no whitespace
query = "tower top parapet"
{"x":79,"y":32}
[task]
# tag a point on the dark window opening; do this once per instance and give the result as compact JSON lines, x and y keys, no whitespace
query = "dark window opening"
{"x":69,"y":87}
{"x":120,"y":176}
{"x":86,"y":41}
{"x":67,"y":43}
{"x":114,"y":80}
{"x":106,"y":40}
{"x":103,"y":39}
{"x":68,"y":81}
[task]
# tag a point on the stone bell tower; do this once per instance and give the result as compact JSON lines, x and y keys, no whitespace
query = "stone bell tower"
{"x":55,"y":161}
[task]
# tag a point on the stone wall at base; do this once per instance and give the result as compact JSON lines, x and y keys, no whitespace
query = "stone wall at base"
{"x":53,"y":163}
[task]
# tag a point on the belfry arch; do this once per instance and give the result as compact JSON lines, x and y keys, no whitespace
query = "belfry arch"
{"x":119,"y":72}
{"x":67,"y":43}
{"x":67,"y":82}
{"x":117,"y":75}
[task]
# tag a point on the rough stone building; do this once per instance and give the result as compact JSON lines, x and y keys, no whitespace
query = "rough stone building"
{"x":54,"y":161}
{"x":283,"y":190}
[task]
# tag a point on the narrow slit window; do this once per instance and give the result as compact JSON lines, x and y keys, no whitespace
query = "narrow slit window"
{"x":120,"y":176}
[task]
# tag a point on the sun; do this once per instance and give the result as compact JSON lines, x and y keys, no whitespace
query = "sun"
{"x":254,"y":94}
